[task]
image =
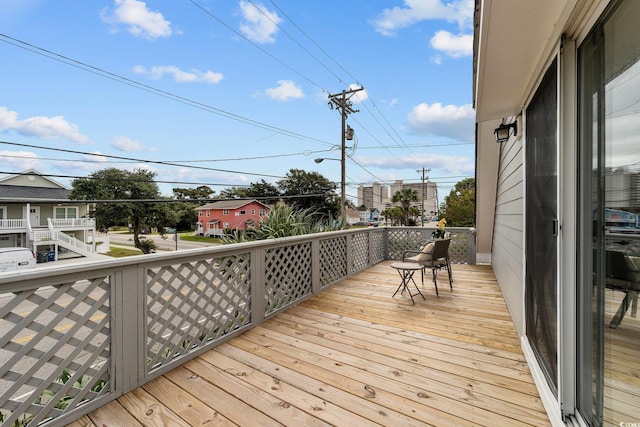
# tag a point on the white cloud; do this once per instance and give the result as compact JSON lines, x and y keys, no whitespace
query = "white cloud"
{"x":96,"y":157}
{"x":139,"y":20}
{"x":451,"y":121}
{"x":180,"y":76}
{"x":443,"y":163}
{"x":41,"y":127}
{"x":124,"y":143}
{"x":286,"y":89}
{"x":453,"y":45}
{"x":359,"y":96}
{"x":458,"y":11}
{"x":260,"y":25}
{"x":20,"y":160}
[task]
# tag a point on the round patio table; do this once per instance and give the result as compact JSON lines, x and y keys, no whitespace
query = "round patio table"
{"x":406,"y":270}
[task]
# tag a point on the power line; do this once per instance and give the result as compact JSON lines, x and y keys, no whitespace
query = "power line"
{"x":239,"y":34}
{"x":261,"y":10}
{"x":130,"y":180}
{"x":138,"y":85}
{"x":448,"y":144}
{"x":316,"y":44}
{"x":167,"y":200}
{"x":140,"y":160}
{"x":338,"y":78}
{"x":305,"y":153}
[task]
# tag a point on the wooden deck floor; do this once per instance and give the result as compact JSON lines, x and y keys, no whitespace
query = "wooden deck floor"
{"x":354,"y":356}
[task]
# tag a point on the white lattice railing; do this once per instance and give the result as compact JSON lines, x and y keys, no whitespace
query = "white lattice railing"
{"x":462,"y":249}
{"x":75,"y":337}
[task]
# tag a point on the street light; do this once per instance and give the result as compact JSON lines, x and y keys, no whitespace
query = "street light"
{"x":343,"y":200}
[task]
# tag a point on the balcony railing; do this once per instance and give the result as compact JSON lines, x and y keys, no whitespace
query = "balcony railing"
{"x":13,"y":224}
{"x":73,"y":223}
{"x":66,"y":223}
{"x":77,"y":337}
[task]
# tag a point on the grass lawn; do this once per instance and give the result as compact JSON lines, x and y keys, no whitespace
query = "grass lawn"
{"x":189,"y":237}
{"x":118,"y":252}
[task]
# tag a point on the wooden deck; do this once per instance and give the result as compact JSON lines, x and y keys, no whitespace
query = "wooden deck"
{"x":355,"y":356}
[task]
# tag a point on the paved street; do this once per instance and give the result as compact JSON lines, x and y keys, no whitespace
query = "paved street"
{"x":166,"y":244}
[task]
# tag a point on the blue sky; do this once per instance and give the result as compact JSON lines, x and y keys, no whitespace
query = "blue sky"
{"x":235,"y":91}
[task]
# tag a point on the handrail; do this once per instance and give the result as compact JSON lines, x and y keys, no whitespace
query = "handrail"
{"x":13,"y":223}
{"x":111,"y":326}
{"x":55,"y":236}
{"x":72,"y":222}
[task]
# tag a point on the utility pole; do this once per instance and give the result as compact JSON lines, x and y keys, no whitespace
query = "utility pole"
{"x":425,"y":176}
{"x":342,"y":102}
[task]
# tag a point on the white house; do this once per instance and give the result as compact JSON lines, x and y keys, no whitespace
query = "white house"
{"x":35,"y":212}
{"x":561,"y":78}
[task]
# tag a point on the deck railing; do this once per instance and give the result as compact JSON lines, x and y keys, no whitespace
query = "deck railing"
{"x":50,"y":237}
{"x":73,"y":222}
{"x":76,"y":337}
{"x":13,"y":224}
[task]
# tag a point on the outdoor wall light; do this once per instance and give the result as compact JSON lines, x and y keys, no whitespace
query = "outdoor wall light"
{"x":503,"y":132}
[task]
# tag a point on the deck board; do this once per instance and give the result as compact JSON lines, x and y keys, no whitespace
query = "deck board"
{"x":353,"y":355}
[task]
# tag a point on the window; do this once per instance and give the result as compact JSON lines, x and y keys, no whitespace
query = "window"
{"x":208,"y":212}
{"x":65,"y":212}
{"x":3,"y":212}
{"x":225,"y":225}
{"x":253,"y":211}
{"x":263,"y":212}
{"x":225,"y":211}
{"x":243,"y":212}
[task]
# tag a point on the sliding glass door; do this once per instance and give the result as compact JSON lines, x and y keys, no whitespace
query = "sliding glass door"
{"x":609,"y":223}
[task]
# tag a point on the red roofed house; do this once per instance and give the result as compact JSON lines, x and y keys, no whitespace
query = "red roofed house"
{"x":214,"y":218}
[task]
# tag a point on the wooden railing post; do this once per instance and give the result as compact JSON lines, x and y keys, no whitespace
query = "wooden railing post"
{"x":371,"y":248}
{"x":315,"y":265}
{"x":128,"y":328}
{"x":472,"y":246}
{"x":349,"y":254}
{"x":257,"y":285}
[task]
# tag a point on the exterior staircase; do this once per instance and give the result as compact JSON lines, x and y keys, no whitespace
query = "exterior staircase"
{"x":53,"y":236}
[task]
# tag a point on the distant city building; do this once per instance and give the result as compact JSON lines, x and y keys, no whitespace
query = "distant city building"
{"x":623,"y":189}
{"x":378,"y":196}
{"x":375,"y":196}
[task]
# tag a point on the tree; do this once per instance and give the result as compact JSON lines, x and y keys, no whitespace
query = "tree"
{"x":198,"y":193}
{"x":186,"y":211}
{"x":263,"y":192}
{"x":405,"y":197}
{"x":393,"y":214}
{"x":310,"y":191}
{"x":233,"y":193}
{"x":414,"y":212}
{"x":458,"y":207}
{"x":115,"y":186}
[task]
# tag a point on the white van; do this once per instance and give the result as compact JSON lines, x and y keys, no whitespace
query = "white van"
{"x":12,"y":259}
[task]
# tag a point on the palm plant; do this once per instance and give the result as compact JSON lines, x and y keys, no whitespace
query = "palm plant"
{"x":405,"y":197}
{"x":284,"y":221}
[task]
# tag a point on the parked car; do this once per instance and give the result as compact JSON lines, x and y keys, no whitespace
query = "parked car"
{"x":12,"y":259}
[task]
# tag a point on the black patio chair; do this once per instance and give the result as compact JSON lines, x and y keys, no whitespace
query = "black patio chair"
{"x":435,"y":256}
